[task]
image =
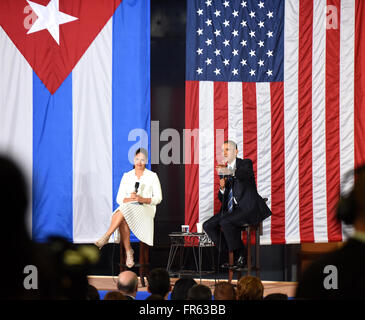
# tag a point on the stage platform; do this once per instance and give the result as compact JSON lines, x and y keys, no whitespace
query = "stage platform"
{"x":109,"y":283}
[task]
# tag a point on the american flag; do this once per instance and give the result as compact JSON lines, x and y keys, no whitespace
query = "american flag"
{"x":284,"y":79}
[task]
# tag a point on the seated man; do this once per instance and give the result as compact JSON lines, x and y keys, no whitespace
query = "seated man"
{"x":241,"y":204}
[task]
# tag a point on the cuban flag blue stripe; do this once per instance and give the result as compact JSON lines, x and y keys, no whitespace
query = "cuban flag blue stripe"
{"x":131,"y":86}
{"x":52,"y":161}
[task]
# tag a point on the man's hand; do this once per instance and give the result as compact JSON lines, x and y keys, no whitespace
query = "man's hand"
{"x":222,"y":170}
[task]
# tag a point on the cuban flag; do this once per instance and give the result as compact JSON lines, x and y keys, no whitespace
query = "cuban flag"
{"x":74,"y":87}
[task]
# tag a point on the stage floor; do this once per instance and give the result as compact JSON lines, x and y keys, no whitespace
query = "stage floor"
{"x":109,"y":283}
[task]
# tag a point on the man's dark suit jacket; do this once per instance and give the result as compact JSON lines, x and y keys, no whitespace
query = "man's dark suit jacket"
{"x":250,"y":208}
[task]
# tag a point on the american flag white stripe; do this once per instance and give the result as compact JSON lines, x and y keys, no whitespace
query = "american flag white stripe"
{"x":264,"y":151}
{"x":318,"y":122}
{"x":235,"y":116}
{"x":206,"y":150}
{"x":291,"y":41}
{"x":347,"y":91}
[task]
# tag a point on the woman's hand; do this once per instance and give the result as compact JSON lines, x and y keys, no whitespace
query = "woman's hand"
{"x":138,"y":198}
{"x":135,"y":197}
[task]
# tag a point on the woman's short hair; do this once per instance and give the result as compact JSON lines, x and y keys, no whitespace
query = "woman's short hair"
{"x":250,"y":288}
{"x":143,"y":151}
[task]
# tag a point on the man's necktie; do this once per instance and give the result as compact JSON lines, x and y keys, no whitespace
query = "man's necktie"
{"x":230,"y":199}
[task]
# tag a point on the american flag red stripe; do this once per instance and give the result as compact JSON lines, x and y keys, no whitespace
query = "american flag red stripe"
{"x":220,"y":123}
{"x":359,"y":113}
{"x":303,"y":134}
{"x":249,"y":104}
{"x":332,"y":126}
{"x":305,"y":121}
{"x":249,"y":123}
{"x":191,"y":154}
{"x":277,"y":231}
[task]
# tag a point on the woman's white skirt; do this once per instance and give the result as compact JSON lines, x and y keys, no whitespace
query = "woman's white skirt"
{"x":140,"y":219}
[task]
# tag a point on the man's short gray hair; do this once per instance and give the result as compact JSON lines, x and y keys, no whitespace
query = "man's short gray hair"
{"x":232,"y":143}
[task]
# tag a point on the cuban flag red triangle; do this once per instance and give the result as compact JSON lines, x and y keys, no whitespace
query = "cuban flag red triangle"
{"x":53,"y":35}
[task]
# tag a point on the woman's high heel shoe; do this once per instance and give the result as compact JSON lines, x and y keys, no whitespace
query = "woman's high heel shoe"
{"x":102,"y":241}
{"x":130,"y":259}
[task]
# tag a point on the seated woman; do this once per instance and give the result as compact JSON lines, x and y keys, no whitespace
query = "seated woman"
{"x":136,"y":210}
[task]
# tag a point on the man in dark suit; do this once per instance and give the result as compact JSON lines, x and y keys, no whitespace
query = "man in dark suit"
{"x":340,"y":274}
{"x":241,"y":204}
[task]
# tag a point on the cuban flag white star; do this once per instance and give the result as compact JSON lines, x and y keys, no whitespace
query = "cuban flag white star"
{"x":50,"y":18}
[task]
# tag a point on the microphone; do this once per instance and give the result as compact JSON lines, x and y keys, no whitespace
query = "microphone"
{"x":136,"y":186}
